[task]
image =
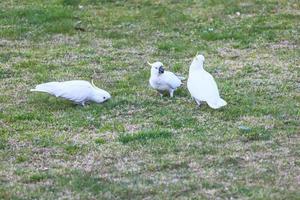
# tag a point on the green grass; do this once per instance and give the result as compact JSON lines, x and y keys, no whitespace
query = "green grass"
{"x":139,"y":145}
{"x":144,"y":136}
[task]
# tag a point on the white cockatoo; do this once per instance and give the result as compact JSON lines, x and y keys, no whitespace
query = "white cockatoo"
{"x":162,"y":80}
{"x":202,"y":85}
{"x":78,"y":91}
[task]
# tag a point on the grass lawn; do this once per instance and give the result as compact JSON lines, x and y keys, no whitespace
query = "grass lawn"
{"x":138,"y":145}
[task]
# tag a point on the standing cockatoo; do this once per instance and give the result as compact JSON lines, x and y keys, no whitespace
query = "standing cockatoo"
{"x":202,"y":85}
{"x":78,"y":91}
{"x":162,"y":80}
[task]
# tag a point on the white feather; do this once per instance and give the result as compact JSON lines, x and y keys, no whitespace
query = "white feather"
{"x":166,"y":81}
{"x":78,"y":91}
{"x":202,"y":85}
{"x":170,"y":79}
{"x":180,"y":77}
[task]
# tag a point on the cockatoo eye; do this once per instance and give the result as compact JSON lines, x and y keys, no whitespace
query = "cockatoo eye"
{"x":104,"y":97}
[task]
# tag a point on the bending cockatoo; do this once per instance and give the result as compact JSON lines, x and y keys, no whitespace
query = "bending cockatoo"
{"x":202,"y":85}
{"x":78,"y":91}
{"x":162,"y":80}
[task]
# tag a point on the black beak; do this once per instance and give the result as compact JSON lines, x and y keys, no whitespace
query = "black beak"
{"x":161,"y":70}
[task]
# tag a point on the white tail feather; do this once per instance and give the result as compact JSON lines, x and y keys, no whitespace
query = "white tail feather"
{"x":51,"y":88}
{"x":217,"y":104}
{"x":180,"y":77}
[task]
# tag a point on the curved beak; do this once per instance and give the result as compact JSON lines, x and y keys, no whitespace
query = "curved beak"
{"x":161,"y":70}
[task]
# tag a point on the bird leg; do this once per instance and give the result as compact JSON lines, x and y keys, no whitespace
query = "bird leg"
{"x":171,"y":93}
{"x":198,"y":103}
{"x":160,"y":93}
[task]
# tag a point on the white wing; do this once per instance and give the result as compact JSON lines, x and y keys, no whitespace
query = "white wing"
{"x":171,"y":79}
{"x":77,"y":91}
{"x":203,"y":87}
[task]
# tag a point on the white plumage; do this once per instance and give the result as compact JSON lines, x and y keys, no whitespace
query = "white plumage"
{"x":202,"y":85}
{"x":162,"y":80}
{"x":78,"y":91}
